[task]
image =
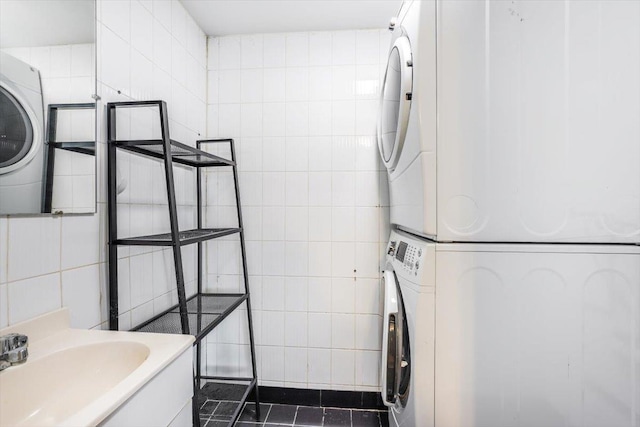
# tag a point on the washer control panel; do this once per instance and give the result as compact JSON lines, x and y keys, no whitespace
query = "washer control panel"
{"x":408,"y":255}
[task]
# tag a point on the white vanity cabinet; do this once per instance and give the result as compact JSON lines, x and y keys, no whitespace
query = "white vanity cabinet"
{"x":164,"y":401}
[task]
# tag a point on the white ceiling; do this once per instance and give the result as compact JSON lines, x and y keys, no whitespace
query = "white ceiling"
{"x":224,"y":17}
{"x":26,"y":23}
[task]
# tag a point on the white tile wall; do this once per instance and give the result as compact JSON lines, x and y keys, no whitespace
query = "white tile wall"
{"x":146,"y":50}
{"x":162,"y":55}
{"x":302,"y":109}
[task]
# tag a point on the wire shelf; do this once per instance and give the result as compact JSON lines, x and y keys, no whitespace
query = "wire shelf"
{"x":204,"y":312}
{"x":187,"y":237}
{"x":180,"y":153}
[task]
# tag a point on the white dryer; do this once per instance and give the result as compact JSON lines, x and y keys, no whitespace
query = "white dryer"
{"x":514,"y":122}
{"x":407,"y":369}
{"x":21,"y":137}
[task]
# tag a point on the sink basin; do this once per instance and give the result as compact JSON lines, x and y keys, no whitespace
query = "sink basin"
{"x":48,"y":397}
{"x":77,"y":377}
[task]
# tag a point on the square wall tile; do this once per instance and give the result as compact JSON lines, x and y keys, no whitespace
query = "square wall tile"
{"x":320,"y":294}
{"x":251,"y":85}
{"x":367,"y":47}
{"x":297,"y":258}
{"x":344,"y":48}
{"x":252,"y":47}
{"x":34,"y":247}
{"x":229,"y":53}
{"x":32,"y":297}
{"x":320,"y":48}
{"x":319,"y":366}
{"x":274,"y":46}
{"x":297,"y":49}
{"x":342,"y":367}
{"x":367,"y":371}
{"x":81,"y":294}
{"x":320,"y":259}
{"x":295,"y":329}
{"x":295,"y":362}
{"x":368,"y":331}
{"x":273,"y":297}
{"x":272,"y":362}
{"x":80,"y":234}
{"x":296,"y":294}
{"x":273,"y":258}
{"x":319,"y":330}
{"x":297,"y":224}
{"x":273,"y":328}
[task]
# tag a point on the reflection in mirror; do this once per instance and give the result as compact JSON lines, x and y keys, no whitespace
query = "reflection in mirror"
{"x":47,"y":109}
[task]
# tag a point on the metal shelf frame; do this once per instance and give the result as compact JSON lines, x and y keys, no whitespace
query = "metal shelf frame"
{"x":81,"y":147}
{"x":201,"y":313}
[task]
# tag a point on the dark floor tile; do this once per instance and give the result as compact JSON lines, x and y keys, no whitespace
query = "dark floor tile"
{"x":249,"y":412}
{"x":216,"y":423}
{"x":337,"y":417}
{"x":309,"y":416}
{"x":282,"y":414}
{"x":225,"y":410}
{"x":208,"y":407}
{"x":365,"y":419}
{"x":247,"y":424}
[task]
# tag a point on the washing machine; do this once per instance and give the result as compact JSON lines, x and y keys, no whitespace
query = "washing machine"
{"x":514,"y":121}
{"x":407,"y":368}
{"x":497,"y":334}
{"x":537,"y":335}
{"x":21,"y":137}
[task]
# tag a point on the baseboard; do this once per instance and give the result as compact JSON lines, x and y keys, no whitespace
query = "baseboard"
{"x":321,"y":398}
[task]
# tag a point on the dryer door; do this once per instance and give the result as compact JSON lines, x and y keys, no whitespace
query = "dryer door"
{"x":17,"y":133}
{"x":396,"y":351}
{"x":395,"y":102}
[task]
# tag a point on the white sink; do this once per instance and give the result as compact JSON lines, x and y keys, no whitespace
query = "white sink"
{"x":79,"y":377}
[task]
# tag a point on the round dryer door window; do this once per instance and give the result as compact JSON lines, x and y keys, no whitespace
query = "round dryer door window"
{"x":396,"y":348}
{"x":395,"y":102}
{"x":16,"y":131}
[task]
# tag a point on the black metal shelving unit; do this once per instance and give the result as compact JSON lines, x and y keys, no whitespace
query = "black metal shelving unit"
{"x":82,"y":147}
{"x":198,"y":314}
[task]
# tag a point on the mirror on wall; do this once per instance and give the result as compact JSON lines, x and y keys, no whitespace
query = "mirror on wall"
{"x":47,"y":106}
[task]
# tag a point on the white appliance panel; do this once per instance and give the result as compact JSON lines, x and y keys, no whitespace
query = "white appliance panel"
{"x":537,"y":336}
{"x":537,"y":132}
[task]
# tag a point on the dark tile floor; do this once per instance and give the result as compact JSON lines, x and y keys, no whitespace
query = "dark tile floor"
{"x":218,"y":413}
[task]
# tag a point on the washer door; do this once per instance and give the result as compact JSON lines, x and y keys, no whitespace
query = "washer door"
{"x":396,"y":349}
{"x":395,"y":102}
{"x":19,"y":138}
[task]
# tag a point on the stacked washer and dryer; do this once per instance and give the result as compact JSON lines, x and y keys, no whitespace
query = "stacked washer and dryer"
{"x":511,"y":138}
